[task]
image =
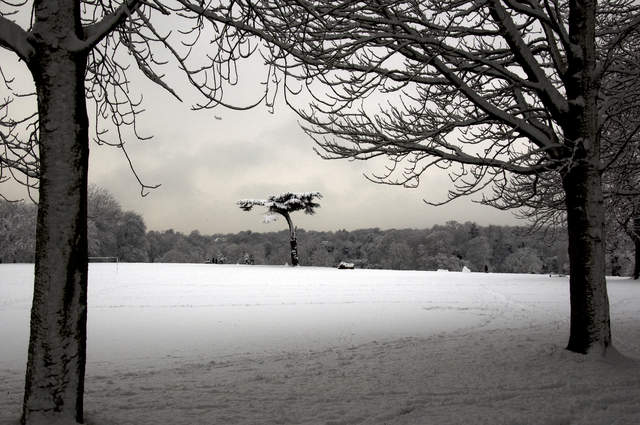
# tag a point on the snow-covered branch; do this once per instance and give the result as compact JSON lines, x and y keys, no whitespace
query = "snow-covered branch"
{"x":286,"y":202}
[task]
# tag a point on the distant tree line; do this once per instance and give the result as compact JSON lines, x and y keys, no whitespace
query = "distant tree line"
{"x":112,"y":232}
{"x":17,"y":232}
{"x":452,"y":246}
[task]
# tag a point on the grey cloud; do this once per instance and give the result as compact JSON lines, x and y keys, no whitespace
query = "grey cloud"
{"x":205,"y":164}
{"x":220,"y":161}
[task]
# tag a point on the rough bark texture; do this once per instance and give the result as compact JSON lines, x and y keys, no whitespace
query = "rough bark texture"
{"x":57,"y":346}
{"x":636,"y":246}
{"x":294,"y":252}
{"x":590,"y":324}
{"x":292,"y":239}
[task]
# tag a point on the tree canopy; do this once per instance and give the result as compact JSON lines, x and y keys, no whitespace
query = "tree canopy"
{"x":285,"y":202}
{"x":501,"y":94}
{"x":483,"y":89}
{"x":80,"y":55}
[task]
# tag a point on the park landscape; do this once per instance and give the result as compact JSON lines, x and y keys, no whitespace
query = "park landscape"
{"x":527,"y":106}
{"x":239,"y":344}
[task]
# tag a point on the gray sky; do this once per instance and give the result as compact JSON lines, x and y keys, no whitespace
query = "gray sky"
{"x":207,"y":160}
{"x":206,"y":164}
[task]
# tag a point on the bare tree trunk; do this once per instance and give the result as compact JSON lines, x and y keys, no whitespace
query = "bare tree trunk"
{"x":294,"y":252}
{"x":590,"y":324}
{"x":57,"y":346}
{"x":636,"y":246}
{"x":582,"y":182}
{"x":292,"y":239}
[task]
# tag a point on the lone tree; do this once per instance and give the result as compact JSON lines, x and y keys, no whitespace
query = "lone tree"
{"x":284,"y":205}
{"x":486,"y":90}
{"x":80,"y":55}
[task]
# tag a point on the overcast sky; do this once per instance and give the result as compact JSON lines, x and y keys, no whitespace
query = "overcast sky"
{"x":207,"y":160}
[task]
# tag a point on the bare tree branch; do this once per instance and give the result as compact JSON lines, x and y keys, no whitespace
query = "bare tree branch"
{"x":94,"y":33}
{"x":504,"y":95}
{"x":14,"y":38}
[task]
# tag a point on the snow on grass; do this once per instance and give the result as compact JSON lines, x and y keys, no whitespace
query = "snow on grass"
{"x":224,"y":344}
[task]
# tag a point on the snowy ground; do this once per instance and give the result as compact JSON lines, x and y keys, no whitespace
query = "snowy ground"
{"x":220,"y":344}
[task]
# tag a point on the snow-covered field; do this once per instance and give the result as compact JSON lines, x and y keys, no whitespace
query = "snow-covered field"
{"x":223,"y":344}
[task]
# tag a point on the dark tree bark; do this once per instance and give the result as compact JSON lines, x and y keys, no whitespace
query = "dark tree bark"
{"x":57,"y":346}
{"x":294,"y":252}
{"x":582,"y":182}
{"x":636,"y":245}
{"x":590,"y":323}
{"x":292,"y":238}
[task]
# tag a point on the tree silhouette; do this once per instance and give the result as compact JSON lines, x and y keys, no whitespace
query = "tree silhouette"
{"x":80,"y":55}
{"x":541,"y":198}
{"x":284,"y":205}
{"x":486,"y":90}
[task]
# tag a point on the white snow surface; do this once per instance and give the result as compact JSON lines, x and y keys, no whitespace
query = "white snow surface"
{"x":230,"y":344}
